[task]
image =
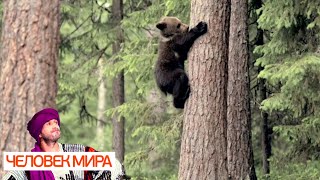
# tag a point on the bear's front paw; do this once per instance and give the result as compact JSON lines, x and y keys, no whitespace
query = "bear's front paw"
{"x":202,"y":27}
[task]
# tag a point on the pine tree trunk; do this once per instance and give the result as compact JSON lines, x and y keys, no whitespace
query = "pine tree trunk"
{"x":266,"y":130}
{"x":28,"y":77}
{"x":204,"y":139}
{"x":118,"y":84}
{"x":239,"y":151}
{"x":101,"y":106}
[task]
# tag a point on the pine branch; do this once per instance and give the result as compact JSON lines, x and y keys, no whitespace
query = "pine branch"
{"x":103,"y":7}
{"x":75,"y":30}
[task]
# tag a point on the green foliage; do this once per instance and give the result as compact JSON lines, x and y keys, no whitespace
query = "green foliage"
{"x":81,"y":49}
{"x":153,"y":128}
{"x":87,"y":32}
{"x":299,"y":78}
{"x":153,"y":152}
{"x":158,"y":155}
{"x":291,"y":63}
{"x":288,"y":171}
{"x":290,"y":58}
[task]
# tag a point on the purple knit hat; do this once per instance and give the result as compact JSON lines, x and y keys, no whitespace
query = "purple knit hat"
{"x":39,"y":119}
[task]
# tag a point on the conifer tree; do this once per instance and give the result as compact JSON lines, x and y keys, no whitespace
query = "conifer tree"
{"x":291,"y":65}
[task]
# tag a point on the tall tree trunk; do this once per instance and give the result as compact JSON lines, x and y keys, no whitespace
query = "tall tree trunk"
{"x":28,"y":76}
{"x":118,"y":84}
{"x":204,"y":139}
{"x":266,"y":130}
{"x":101,"y":106}
{"x":239,"y":151}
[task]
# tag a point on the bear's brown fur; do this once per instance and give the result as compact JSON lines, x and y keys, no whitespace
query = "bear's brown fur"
{"x":175,"y":42}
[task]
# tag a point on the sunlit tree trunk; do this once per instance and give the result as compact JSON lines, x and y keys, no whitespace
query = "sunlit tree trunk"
{"x":239,"y":150}
{"x":118,"y":84}
{"x":204,"y":139}
{"x":101,"y":106}
{"x":28,"y":76}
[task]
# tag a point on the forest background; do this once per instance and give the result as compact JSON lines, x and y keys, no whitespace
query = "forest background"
{"x":284,"y":70}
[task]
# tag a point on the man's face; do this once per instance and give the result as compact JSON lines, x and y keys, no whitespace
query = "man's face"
{"x":50,"y":131}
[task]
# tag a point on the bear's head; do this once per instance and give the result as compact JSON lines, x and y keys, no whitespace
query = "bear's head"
{"x":170,"y":26}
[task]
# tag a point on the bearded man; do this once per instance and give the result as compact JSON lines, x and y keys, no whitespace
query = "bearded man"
{"x":44,"y":127}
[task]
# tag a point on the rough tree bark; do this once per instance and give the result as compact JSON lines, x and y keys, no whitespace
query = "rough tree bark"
{"x":28,"y":76}
{"x":216,"y":139}
{"x":204,"y":139}
{"x":118,"y":84}
{"x":239,"y":151}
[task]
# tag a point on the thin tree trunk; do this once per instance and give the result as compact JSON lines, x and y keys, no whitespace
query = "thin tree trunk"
{"x":239,"y":151}
{"x":204,"y":139}
{"x":28,"y":76}
{"x":118,"y":84}
{"x":266,"y":130}
{"x":101,"y":106}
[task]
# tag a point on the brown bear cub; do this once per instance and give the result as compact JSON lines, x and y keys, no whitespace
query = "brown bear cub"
{"x":175,"y":42}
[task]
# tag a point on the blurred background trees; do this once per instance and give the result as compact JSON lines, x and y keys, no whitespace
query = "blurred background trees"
{"x":284,"y":77}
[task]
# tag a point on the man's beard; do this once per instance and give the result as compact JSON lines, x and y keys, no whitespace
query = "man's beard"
{"x":51,"y":138}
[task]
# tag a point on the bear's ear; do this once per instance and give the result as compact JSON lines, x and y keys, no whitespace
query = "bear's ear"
{"x":161,"y":25}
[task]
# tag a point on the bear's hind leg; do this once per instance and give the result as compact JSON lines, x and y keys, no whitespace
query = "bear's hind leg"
{"x":181,"y":90}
